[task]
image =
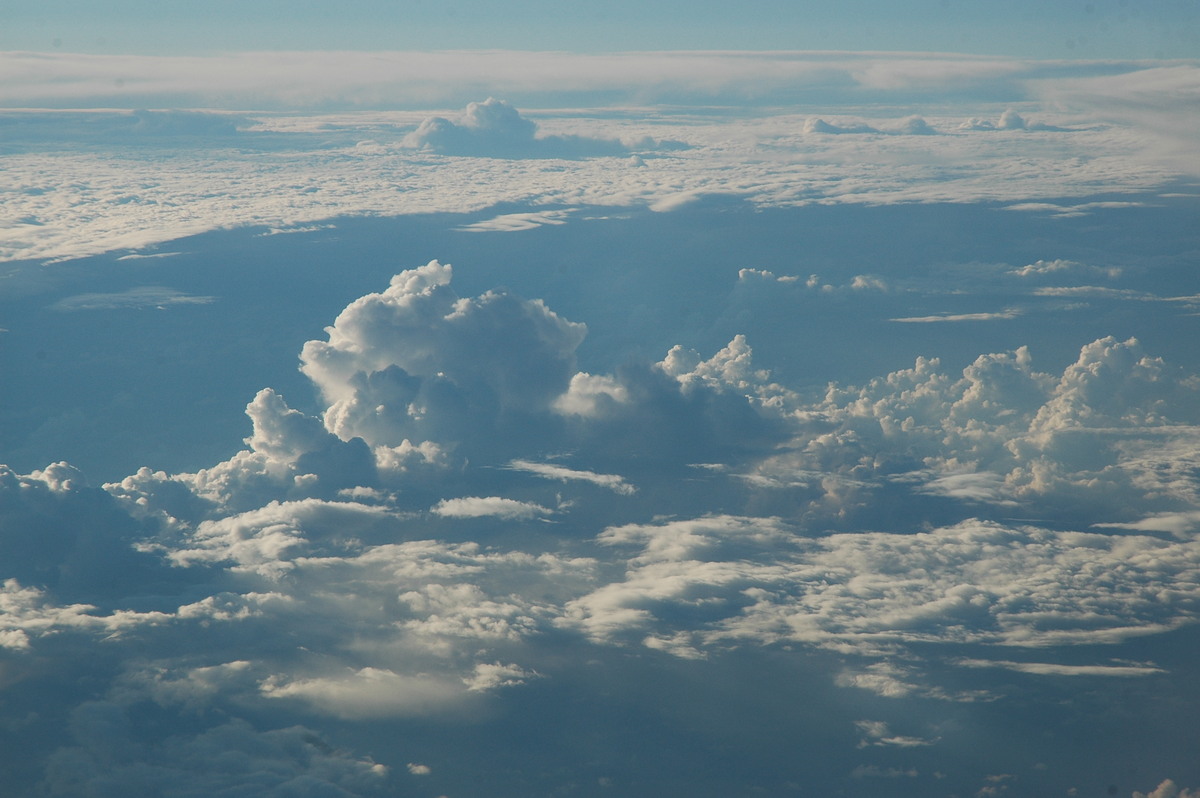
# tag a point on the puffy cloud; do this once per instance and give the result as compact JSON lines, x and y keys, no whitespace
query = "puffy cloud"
{"x":816,"y":125}
{"x":1167,"y":789}
{"x":416,"y":362}
{"x":1009,"y":120}
{"x":60,"y":534}
{"x":494,"y":128}
{"x":488,"y":506}
{"x":729,"y":580}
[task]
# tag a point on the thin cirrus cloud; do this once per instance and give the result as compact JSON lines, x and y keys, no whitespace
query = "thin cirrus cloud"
{"x":415,"y":79}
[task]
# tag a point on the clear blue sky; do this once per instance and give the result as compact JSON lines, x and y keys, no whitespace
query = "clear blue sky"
{"x":1029,"y":28}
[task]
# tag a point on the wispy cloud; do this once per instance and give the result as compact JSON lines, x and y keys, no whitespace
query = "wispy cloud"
{"x":1010,"y":313}
{"x":132,"y":299}
{"x":613,"y":482}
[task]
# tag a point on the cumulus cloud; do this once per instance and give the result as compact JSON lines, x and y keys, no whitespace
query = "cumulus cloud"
{"x":485,"y":506}
{"x":817,"y":125}
{"x":1167,"y":789}
{"x":1009,"y":120}
{"x":495,"y":129}
{"x":742,"y":579}
{"x":416,"y":362}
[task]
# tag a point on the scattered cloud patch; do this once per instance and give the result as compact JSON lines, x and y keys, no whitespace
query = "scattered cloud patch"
{"x":1009,"y":313}
{"x":515,"y":222}
{"x":495,"y":129}
{"x":613,"y":482}
{"x":1054,"y":669}
{"x":489,"y":506}
{"x":139,"y":298}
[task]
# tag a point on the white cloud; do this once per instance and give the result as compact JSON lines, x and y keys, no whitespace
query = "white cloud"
{"x":755,"y":579}
{"x":369,"y":693}
{"x":416,"y":362}
{"x":613,"y":482}
{"x":1178,"y":524}
{"x":494,"y":128}
{"x":424,"y":79}
{"x":514,"y":222}
{"x":488,"y":506}
{"x":1008,"y":313}
{"x":1055,"y":669}
{"x":876,"y":732}
{"x":1167,"y":789}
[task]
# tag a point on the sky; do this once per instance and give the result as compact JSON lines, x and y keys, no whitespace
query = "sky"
{"x":1096,"y":29}
{"x":649,"y":399}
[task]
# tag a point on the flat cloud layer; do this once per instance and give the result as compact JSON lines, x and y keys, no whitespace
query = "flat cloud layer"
{"x":1047,"y":131}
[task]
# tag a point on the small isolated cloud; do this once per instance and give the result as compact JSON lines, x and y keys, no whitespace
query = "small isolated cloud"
{"x":485,"y":506}
{"x":876,"y":772}
{"x":488,"y":676}
{"x":1058,"y":266}
{"x":419,"y":770}
{"x":495,"y":129}
{"x":817,"y":125}
{"x":876,"y":732}
{"x":514,"y":222}
{"x":1055,"y":669}
{"x":133,"y":299}
{"x":148,"y":255}
{"x":972,"y":486}
{"x":368,"y":693}
{"x":1179,"y":524}
{"x":1008,"y":313}
{"x":613,"y":482}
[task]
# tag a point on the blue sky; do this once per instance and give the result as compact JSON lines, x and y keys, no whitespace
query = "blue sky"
{"x":1076,"y":29}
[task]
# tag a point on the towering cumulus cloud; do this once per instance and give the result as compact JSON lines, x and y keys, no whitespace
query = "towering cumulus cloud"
{"x":495,"y":129}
